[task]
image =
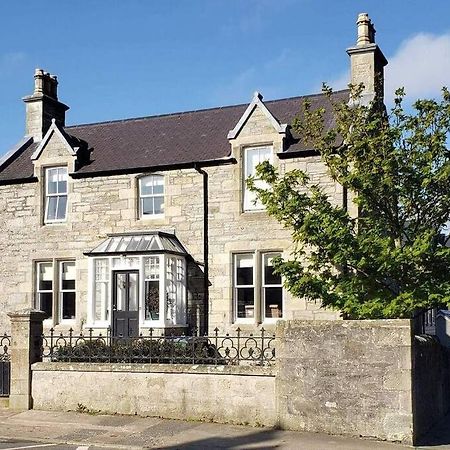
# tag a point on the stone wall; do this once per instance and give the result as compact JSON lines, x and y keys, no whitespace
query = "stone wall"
{"x":239,"y":395}
{"x":348,"y":377}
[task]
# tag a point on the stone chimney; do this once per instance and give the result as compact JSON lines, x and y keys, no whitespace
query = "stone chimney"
{"x":43,"y":105}
{"x":367,"y":61}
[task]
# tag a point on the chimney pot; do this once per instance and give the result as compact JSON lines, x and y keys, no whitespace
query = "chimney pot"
{"x":366,"y":30}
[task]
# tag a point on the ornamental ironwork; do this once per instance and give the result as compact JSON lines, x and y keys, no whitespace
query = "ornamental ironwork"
{"x":217,"y":349}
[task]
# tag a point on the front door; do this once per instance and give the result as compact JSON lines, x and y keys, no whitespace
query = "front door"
{"x":126,"y":303}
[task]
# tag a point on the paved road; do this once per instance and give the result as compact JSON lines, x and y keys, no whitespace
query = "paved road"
{"x":16,"y":444}
{"x":70,"y":430}
{"x":73,"y":431}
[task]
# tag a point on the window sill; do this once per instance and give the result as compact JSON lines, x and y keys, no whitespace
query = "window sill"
{"x":152,"y":217}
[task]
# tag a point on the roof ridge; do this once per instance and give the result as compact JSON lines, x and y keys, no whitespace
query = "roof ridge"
{"x":130,"y":119}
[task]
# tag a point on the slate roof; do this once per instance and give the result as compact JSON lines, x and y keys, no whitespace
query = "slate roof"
{"x":167,"y":140}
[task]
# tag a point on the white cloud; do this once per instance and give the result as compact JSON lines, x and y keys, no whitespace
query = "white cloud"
{"x":421,"y":65}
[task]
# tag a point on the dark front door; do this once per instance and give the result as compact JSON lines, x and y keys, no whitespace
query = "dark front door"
{"x":126,"y":303}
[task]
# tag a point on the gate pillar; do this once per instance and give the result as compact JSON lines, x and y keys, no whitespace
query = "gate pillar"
{"x":26,"y":332}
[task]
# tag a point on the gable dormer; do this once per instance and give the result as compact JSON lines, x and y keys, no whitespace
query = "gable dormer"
{"x":257,"y":136}
{"x":56,"y":148}
{"x":257,"y":123}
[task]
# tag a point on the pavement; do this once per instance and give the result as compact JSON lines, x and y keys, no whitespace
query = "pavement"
{"x":78,"y":431}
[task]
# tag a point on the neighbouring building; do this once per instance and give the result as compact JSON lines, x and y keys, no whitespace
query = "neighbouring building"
{"x":147,"y":222}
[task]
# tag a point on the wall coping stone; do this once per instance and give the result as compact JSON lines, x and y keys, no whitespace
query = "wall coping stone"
{"x":155,"y":368}
{"x":28,"y":314}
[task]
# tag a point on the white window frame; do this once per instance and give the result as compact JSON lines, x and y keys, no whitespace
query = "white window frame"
{"x":264,"y":285}
{"x":259,"y":286}
{"x":58,"y":195}
{"x":56,"y":291}
{"x":63,"y":291}
{"x":152,"y":196}
{"x":248,"y":204}
{"x":44,"y":291}
{"x":237,"y":286}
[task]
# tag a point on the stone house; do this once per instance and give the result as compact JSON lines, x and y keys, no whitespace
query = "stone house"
{"x":147,"y":222}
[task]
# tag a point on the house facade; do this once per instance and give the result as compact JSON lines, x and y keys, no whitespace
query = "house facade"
{"x":147,"y":223}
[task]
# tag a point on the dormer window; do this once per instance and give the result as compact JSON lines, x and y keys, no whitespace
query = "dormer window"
{"x":55,"y":194}
{"x":151,"y":196}
{"x":252,"y":157}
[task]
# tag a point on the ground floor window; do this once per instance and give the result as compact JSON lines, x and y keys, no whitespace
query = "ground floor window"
{"x":257,"y":290}
{"x":56,"y":289}
{"x":154,"y":285}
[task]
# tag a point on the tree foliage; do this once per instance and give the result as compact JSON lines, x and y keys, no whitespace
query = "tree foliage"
{"x":387,"y":260}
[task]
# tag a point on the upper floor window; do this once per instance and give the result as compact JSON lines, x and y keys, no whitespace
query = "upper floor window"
{"x":252,"y":157}
{"x":151,"y":195}
{"x":55,"y":194}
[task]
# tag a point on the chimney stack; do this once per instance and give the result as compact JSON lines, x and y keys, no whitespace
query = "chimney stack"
{"x":43,"y":105}
{"x":367,"y":61}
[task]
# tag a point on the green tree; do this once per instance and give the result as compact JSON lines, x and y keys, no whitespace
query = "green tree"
{"x":390,"y":260}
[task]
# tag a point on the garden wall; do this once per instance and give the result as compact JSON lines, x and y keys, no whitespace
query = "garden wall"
{"x":360,"y":378}
{"x":346,"y":377}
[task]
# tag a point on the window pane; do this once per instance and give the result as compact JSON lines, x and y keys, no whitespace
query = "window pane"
{"x":146,"y":186}
{"x":158,"y":205}
{"x":68,"y":305}
{"x":244,"y":270}
{"x":274,"y":302}
{"x":46,"y":303}
{"x":133,"y":292}
{"x":52,"y":181}
{"x":52,"y":203}
{"x":62,"y":180}
{"x":62,"y":205}
{"x":158,"y":185}
{"x":151,"y":268}
{"x":245,"y":303}
{"x":147,"y":205}
{"x":252,"y":161}
{"x":100,"y":300}
{"x":45,"y":276}
{"x":269,"y":276}
{"x":152,"y":300}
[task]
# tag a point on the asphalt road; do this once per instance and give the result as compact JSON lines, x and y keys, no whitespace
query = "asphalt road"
{"x":17,"y":444}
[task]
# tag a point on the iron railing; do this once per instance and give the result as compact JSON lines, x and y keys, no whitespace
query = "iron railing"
{"x":5,"y":343}
{"x":5,"y":365}
{"x":226,"y":349}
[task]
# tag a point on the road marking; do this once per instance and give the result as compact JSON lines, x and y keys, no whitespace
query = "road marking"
{"x":84,"y":447}
{"x":30,"y":446}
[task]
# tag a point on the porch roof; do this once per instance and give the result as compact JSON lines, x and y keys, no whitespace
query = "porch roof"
{"x":139,"y":243}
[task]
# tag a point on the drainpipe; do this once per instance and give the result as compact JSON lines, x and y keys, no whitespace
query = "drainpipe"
{"x":205,"y":244}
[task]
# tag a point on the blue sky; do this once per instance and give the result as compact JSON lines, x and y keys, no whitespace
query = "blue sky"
{"x":119,"y":59}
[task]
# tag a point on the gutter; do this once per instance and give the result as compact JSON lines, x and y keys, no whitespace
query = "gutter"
{"x":164,"y":167}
